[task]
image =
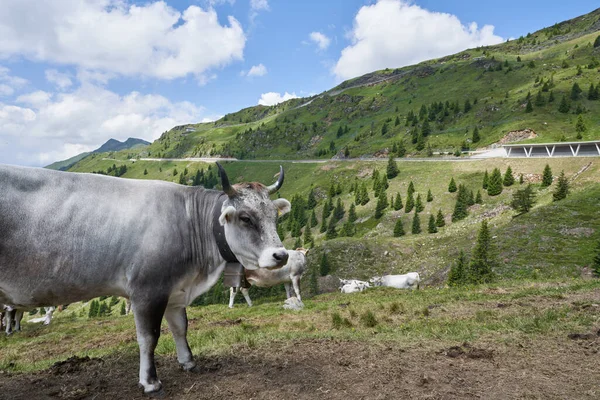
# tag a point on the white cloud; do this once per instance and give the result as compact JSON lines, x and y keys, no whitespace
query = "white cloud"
{"x":395,"y":33}
{"x":320,"y":39}
{"x":259,"y":5}
{"x":6,"y":90}
{"x":272,"y":98}
{"x":8,"y":82}
{"x":61,"y":80}
{"x":115,"y":36}
{"x":54,"y":126}
{"x":257,"y":70}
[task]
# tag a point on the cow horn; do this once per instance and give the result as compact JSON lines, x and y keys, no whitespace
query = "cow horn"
{"x":277,"y":185}
{"x":227,"y":188}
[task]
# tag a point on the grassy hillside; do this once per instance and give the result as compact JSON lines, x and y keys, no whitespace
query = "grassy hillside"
{"x":495,"y":80}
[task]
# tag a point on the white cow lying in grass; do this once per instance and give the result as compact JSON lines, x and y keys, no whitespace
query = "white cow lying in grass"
{"x":353,"y":285}
{"x":406,"y":281}
{"x":11,"y":318}
{"x":290,"y":275}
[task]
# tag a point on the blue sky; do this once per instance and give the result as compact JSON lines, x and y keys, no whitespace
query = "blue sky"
{"x":75,"y":73}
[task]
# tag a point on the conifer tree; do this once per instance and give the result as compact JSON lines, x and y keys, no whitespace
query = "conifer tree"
{"x":311,"y":202}
{"x":476,"y":138}
{"x":383,"y":184}
{"x":93,"y":311}
{"x":562,"y":187}
{"x":495,"y":183}
{"x":392,"y":168}
{"x":324,"y":266}
{"x":331,"y":229}
{"x":419,"y":204}
{"x":332,"y":191}
{"x":529,"y":107}
{"x":486,"y":179}
{"x":596,"y":261}
{"x":313,"y":219}
{"x":523,"y":199}
{"x":432,"y":228}
{"x":429,"y":196}
{"x":399,"y":228}
{"x":338,"y":189}
{"x":440,"y":221}
{"x":564,"y":105}
{"x":547,"y":176}
{"x":358,"y":195}
{"x":509,"y":179}
{"x":381,"y":204}
{"x":401,"y":152}
{"x":575,"y":91}
{"x":452,"y":186}
{"x":580,"y":127}
{"x":470,"y":198}
{"x":364,"y":195}
{"x":521,"y":180}
{"x":352,"y":213}
{"x":539,"y":99}
{"x":376,"y":185}
{"x":551,"y":97}
{"x":323,"y":227}
{"x":145,"y":171}
{"x":480,"y":268}
{"x":397,"y":121}
{"x":298,"y":243}
{"x":458,"y":272}
{"x":461,"y":206}
{"x":123,"y":309}
{"x":398,"y":202}
{"x":347,"y":230}
{"x":416,"y":225}
{"x":339,"y":211}
{"x":308,"y":237}
{"x":410,"y":204}
{"x":313,"y":282}
{"x":478,"y":199}
{"x":103,"y":310}
{"x":410,"y":190}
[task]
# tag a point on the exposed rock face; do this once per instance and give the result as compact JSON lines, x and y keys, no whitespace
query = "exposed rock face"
{"x":517,"y":136}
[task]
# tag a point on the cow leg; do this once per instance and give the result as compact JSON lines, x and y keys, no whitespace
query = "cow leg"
{"x":232,"y":293}
{"x":18,"y":318}
{"x":296,"y":283}
{"x":127,"y":306}
{"x":8,"y":317}
{"x":178,"y":324}
{"x":49,"y":311}
{"x":148,"y":313}
{"x":246,"y":296}
{"x":288,"y":289}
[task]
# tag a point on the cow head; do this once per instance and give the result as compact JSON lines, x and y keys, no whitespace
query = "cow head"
{"x":249,"y":218}
{"x":376,"y":281}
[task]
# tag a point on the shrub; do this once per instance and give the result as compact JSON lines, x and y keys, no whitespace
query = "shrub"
{"x":399,"y":228}
{"x":562,"y":187}
{"x":547,"y":176}
{"x":338,"y":322}
{"x":452,"y":186}
{"x":368,"y":319}
{"x":458,"y":271}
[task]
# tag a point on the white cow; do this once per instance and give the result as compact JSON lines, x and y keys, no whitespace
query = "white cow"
{"x":353,"y":285}
{"x":290,"y":275}
{"x":406,"y":281}
{"x":13,"y":317}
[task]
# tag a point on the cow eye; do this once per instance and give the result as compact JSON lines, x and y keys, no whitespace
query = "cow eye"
{"x":246,"y":220}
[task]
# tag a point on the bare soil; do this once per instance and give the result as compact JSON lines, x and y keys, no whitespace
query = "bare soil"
{"x":560,"y":368}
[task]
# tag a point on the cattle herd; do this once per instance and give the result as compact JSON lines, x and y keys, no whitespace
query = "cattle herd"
{"x":70,"y":237}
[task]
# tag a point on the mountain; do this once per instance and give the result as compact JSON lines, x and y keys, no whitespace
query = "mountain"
{"x":110,"y":145}
{"x":441,"y":100}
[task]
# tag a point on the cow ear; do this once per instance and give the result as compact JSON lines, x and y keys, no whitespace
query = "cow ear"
{"x":283,"y":206}
{"x":226,"y":215}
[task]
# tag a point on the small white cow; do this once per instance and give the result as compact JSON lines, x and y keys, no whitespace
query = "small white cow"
{"x":290,"y":275}
{"x":12,"y":318}
{"x":406,"y":281}
{"x":353,"y":285}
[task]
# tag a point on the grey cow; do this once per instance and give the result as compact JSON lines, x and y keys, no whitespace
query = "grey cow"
{"x":290,"y":275}
{"x":67,"y":237}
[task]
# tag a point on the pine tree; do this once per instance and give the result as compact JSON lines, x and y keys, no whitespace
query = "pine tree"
{"x":182,"y":179}
{"x":376,"y":185}
{"x":332,"y":191}
{"x":470,"y":198}
{"x":529,"y":107}
{"x":364,"y":195}
{"x":392,"y":168}
{"x":521,"y":180}
{"x":429,"y":196}
{"x":562,"y":187}
{"x":381,"y":204}
{"x":384,"y":129}
{"x":383,"y":184}
{"x":420,"y":142}
{"x":311,"y":202}
{"x":298,"y":243}
{"x":324,"y":266}
{"x":102,"y":311}
{"x":339,"y":189}
{"x":480,"y":269}
{"x":352,"y":213}
{"x":145,"y":171}
{"x":398,"y":202}
{"x":486,"y":179}
{"x":93,"y":311}
{"x":461,"y":206}
{"x":419,"y":204}
{"x":410,"y":204}
{"x":564,"y":105}
{"x":329,"y":208}
{"x":547,"y":176}
{"x":575,"y":91}
{"x":313,"y":219}
{"x":331,"y":229}
{"x":551,"y":97}
{"x":323,"y":227}
{"x":432,"y":228}
{"x":401,"y":149}
{"x":308,"y":237}
{"x":476,"y":138}
{"x":580,"y":127}
{"x":458,"y":274}
{"x":123,"y":308}
{"x":399,"y":228}
{"x":440,"y":221}
{"x":596,"y":260}
{"x":452,"y":186}
{"x":416,"y":225}
{"x":313,"y":282}
{"x":357,"y":195}
{"x":410,"y":190}
{"x":175,"y":171}
{"x":539,"y":99}
{"x":467,"y":106}
{"x":339,"y":212}
{"x":397,"y":121}
{"x":523,"y":199}
{"x":509,"y":179}
{"x":347,"y":229}
{"x":495,"y":183}
{"x":478,"y":199}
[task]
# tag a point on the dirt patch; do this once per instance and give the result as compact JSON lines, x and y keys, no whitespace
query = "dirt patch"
{"x":363,"y":173}
{"x":577,"y":232}
{"x":517,"y":136}
{"x":227,"y":322}
{"x":331,"y":369}
{"x":71,"y":365}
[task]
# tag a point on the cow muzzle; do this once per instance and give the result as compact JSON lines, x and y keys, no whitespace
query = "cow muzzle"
{"x":273,"y":258}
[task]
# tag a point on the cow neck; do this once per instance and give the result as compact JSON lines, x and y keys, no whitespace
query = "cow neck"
{"x":219,"y":232}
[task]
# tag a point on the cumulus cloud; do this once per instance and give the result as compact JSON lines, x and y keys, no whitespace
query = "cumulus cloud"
{"x":259,"y":4}
{"x":61,"y":125}
{"x":115,"y":36}
{"x":272,"y":98}
{"x":61,"y":80}
{"x":8,"y":82}
{"x":320,"y":39}
{"x":257,"y":70}
{"x":395,"y":33}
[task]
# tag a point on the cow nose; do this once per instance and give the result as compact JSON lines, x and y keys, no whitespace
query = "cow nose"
{"x":281,"y":256}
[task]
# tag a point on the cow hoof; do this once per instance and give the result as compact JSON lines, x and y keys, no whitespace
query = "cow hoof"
{"x":189,"y":366}
{"x":153,"y":389}
{"x":157,"y":394}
